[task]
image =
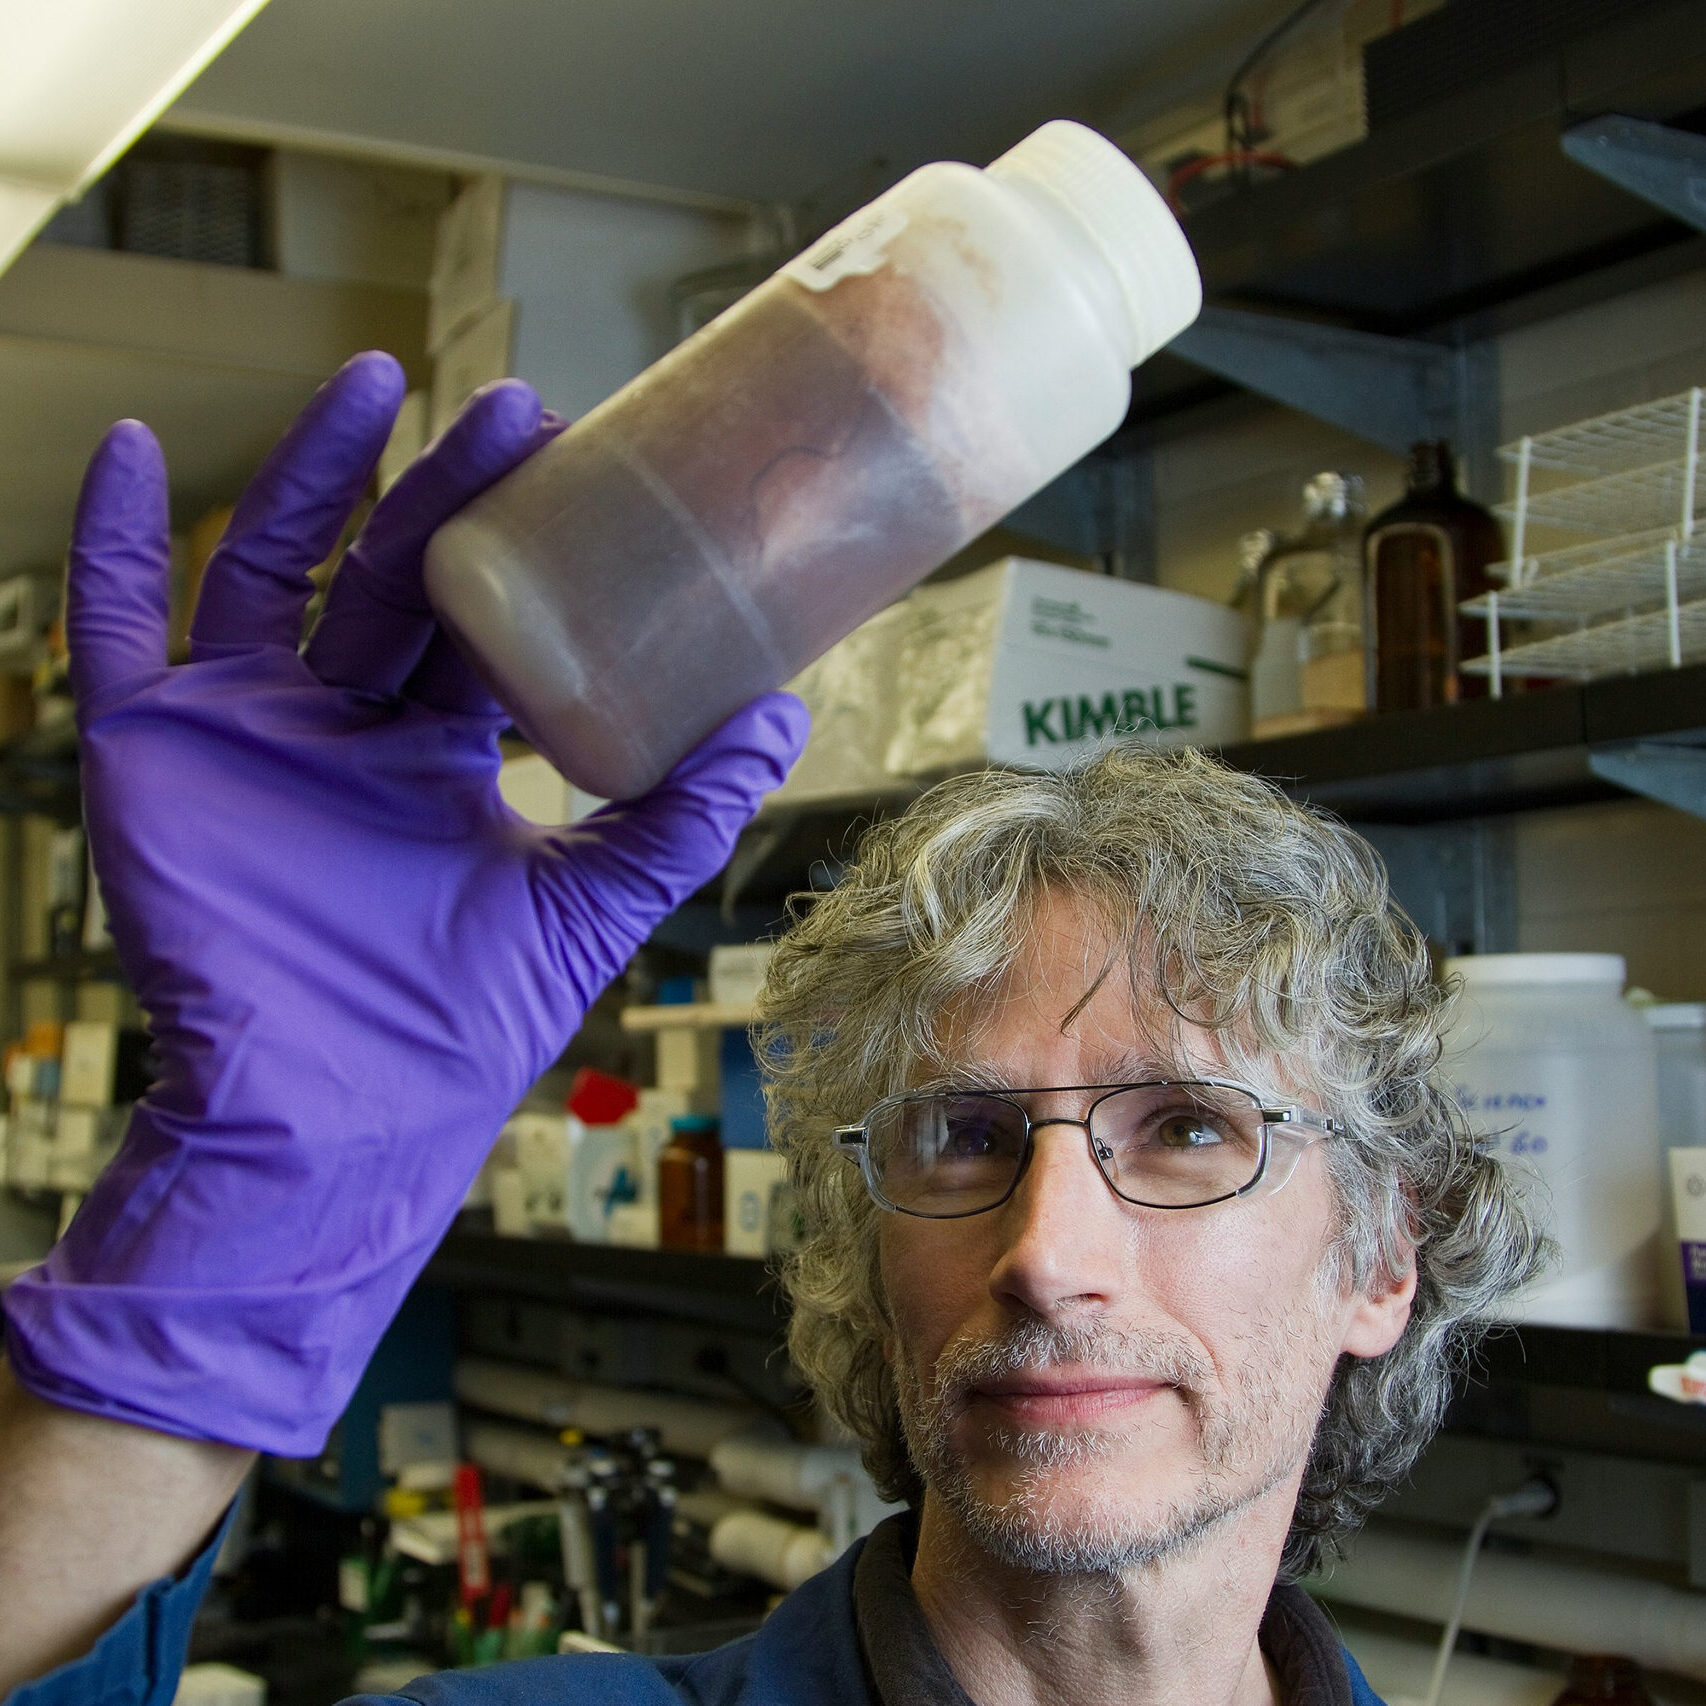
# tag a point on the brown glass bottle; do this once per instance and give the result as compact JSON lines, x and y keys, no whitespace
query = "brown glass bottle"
{"x":1603,"y":1680}
{"x":1422,"y":557}
{"x":690,"y":1186}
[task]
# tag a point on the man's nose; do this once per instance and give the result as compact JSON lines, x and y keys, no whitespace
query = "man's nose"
{"x":1066,"y":1238}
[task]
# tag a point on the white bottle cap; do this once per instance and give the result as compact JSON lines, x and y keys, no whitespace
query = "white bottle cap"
{"x":1107,"y":193}
{"x":1489,"y":969}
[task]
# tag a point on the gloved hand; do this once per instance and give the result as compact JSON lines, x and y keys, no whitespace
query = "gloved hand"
{"x":354,"y":957}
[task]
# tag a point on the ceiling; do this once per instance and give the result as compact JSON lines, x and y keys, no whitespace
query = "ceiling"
{"x":753,"y":99}
{"x":740,"y":101}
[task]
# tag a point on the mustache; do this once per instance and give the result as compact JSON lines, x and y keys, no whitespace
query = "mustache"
{"x":1030,"y":1346}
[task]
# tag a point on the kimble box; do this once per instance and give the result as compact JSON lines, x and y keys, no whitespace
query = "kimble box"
{"x":1035,"y":665}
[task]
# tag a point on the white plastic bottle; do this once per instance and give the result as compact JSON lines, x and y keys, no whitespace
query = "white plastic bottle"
{"x":813,"y":452}
{"x":1558,"y":1074}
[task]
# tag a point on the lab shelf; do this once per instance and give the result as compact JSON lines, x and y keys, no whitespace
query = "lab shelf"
{"x":1605,"y":1363}
{"x":98,"y":966}
{"x":695,"y":1015}
{"x":1483,"y":757}
{"x":1467,"y":204}
{"x":1579,"y":1389}
{"x":1597,"y":1359}
{"x":1463,"y":217}
{"x":736,"y":1290}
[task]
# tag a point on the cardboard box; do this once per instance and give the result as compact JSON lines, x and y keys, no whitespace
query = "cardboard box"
{"x":1030,"y":664}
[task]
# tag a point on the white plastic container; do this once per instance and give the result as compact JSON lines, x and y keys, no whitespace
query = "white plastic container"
{"x":813,"y":452}
{"x":1559,"y":1074}
{"x":1679,"y":1031}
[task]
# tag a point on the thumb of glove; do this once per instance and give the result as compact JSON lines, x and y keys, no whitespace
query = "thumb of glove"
{"x":613,"y":875}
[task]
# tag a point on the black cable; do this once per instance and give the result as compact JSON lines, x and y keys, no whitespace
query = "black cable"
{"x":1236,"y":108}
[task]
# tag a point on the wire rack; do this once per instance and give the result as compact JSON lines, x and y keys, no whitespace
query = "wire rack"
{"x":1634,"y":501}
{"x":1636,"y":592}
{"x":1605,"y":577}
{"x":1609,"y":444}
{"x":1657,"y":640}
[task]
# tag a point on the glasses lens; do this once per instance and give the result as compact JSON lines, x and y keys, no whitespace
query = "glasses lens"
{"x":1176,"y":1145}
{"x":946,"y":1155}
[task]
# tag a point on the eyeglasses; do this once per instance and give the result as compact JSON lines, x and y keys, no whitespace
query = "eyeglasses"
{"x":942,"y":1155}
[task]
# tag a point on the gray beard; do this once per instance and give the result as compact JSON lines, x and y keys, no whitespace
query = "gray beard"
{"x":1245,"y":1448}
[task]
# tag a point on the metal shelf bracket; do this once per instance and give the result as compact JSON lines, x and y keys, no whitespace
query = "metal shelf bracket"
{"x":1389,"y":391}
{"x":1672,"y":773}
{"x":1663,"y":166}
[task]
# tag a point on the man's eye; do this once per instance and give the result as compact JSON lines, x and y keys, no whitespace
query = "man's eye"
{"x":966,"y":1142}
{"x":1188,"y":1131}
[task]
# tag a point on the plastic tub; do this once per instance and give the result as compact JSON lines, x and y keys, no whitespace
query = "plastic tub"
{"x":1558,"y":1073}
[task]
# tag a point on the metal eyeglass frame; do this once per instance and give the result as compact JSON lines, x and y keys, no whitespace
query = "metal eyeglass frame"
{"x":854,"y":1140}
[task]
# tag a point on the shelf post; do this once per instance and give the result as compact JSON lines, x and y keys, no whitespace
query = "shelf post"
{"x":1670,"y":772}
{"x":1389,"y":391}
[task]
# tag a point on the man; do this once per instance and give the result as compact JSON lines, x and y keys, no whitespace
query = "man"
{"x":1142,"y":1237}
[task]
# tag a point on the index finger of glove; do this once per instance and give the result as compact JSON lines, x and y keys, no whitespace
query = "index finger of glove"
{"x":288,"y":520}
{"x":377,"y":621}
{"x":116,"y":595}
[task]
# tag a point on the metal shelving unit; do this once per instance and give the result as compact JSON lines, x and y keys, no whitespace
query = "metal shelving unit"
{"x":1634,"y":596}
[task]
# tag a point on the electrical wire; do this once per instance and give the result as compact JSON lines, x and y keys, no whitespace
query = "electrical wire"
{"x":1236,"y":108}
{"x":1535,"y":1497}
{"x":1237,"y":157}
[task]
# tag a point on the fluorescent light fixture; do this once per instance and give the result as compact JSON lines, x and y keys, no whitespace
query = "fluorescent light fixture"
{"x":80,"y":80}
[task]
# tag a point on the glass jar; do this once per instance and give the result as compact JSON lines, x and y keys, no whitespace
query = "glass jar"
{"x":690,"y":1185}
{"x":1307,"y":669}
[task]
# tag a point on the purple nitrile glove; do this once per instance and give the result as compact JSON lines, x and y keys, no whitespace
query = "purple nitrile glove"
{"x":354,"y":957}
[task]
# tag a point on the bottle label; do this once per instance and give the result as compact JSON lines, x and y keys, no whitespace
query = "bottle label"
{"x":856,"y":247}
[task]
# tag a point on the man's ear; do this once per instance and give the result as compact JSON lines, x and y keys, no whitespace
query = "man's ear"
{"x":1381,"y":1311}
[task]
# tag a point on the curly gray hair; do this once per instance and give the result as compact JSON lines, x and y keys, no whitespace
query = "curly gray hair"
{"x":1265,"y":922}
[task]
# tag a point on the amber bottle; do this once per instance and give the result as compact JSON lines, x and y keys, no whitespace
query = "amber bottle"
{"x":1605,"y":1680}
{"x":690,"y":1186}
{"x":1421,"y":558}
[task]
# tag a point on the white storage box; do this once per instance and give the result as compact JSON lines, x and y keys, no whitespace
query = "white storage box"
{"x":1030,"y":664}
